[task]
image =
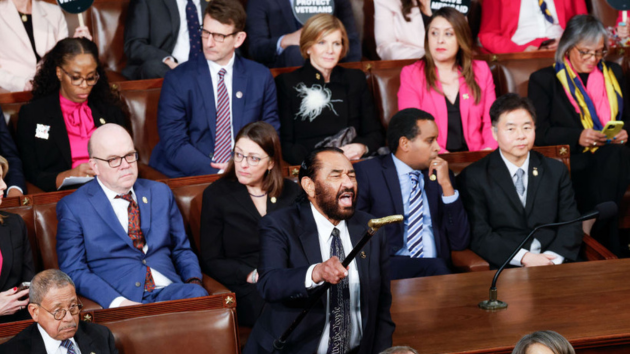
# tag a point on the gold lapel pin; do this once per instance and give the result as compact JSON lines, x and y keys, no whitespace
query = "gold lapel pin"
{"x":273,"y":200}
{"x":317,"y":76}
{"x":465,"y":96}
{"x":535,"y":172}
{"x":239,"y":94}
{"x":102,"y":120}
{"x":144,"y":200}
{"x":363,"y":255}
{"x":432,"y":177}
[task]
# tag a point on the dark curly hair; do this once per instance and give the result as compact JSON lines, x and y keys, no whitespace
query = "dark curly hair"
{"x":46,"y":81}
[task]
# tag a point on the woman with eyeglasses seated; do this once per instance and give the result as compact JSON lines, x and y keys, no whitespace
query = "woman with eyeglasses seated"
{"x":251,"y":187}
{"x":71,"y":98}
{"x":16,"y":260}
{"x":574,"y":100}
{"x":543,"y":342}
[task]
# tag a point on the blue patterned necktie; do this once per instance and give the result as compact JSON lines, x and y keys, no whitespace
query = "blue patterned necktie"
{"x":69,"y":346}
{"x":192,"y":18}
{"x":416,"y":215}
{"x":545,"y":11}
{"x":339,"y":306}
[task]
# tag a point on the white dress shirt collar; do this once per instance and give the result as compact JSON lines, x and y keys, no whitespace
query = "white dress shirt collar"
{"x":513,"y":168}
{"x":215,"y":68}
{"x":111,"y":195}
{"x":53,"y":346}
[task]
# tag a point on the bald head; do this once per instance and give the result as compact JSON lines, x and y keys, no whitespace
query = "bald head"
{"x":108,"y":144}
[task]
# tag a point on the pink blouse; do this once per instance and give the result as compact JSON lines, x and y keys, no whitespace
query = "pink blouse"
{"x":80,"y":126}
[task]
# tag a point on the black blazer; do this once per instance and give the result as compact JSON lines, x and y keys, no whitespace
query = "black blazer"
{"x":17,"y":258}
{"x":380,"y":195}
{"x":151,"y":32}
{"x":91,"y":338}
{"x":44,"y":159}
{"x":289,"y":245}
{"x":498,"y":220}
{"x":354,"y":107}
{"x":230,"y":246}
{"x":9,"y":151}
{"x":557,"y":123}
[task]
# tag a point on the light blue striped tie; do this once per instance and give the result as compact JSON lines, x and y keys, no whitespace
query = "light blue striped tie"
{"x":415,"y":225}
{"x":69,"y":346}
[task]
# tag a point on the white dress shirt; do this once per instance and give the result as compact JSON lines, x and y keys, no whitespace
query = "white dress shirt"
{"x":227,"y":78}
{"x":324,"y":230}
{"x":53,"y":346}
{"x":536,"y":247}
{"x":120,"y":209}
{"x":532,"y":23}
{"x":182,"y":45}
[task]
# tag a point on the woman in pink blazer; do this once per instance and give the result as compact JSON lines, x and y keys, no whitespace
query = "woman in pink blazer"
{"x":447,"y":83}
{"x":28,"y":30}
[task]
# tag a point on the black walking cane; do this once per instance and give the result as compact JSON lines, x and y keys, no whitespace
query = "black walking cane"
{"x":373,"y":226}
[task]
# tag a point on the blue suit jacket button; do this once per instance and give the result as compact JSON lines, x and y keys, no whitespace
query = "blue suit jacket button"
{"x":137,"y":284}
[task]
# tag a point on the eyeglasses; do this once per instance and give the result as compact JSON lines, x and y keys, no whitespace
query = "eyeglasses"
{"x":251,"y":160}
{"x":586,"y":55}
{"x":59,"y":314}
{"x":218,"y":37}
{"x":78,"y":80}
{"x":117,"y":161}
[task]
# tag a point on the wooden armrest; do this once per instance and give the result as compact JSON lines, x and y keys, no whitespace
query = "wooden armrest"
{"x":33,"y":189}
{"x":89,"y":305}
{"x":594,"y":251}
{"x":148,"y":172}
{"x":213,"y":287}
{"x":468,"y":261}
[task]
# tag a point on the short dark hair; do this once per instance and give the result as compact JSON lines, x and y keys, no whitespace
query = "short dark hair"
{"x":550,"y":339}
{"x":311,"y":165}
{"x":404,"y":124}
{"x":510,"y":102}
{"x":228,"y":12}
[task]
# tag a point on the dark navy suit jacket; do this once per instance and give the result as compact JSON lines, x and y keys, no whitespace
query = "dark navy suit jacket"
{"x":268,"y":20}
{"x":380,"y":195}
{"x":9,"y":151}
{"x":289,"y":246}
{"x":187,"y":113}
{"x":99,"y":256}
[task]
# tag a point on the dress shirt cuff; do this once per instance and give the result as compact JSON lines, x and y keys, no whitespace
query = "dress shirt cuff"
{"x":169,"y":57}
{"x":450,"y":199}
{"x":117,"y":301}
{"x":516,"y":261}
{"x":558,"y":260}
{"x":279,"y":48}
{"x":308,"y":282}
{"x":194,"y":280}
{"x":14,"y":187}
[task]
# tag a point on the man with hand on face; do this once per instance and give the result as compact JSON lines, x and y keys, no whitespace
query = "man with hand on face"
{"x":206,"y":101}
{"x":55,"y":308}
{"x":513,"y":190}
{"x":302,"y":247}
{"x":122,"y":239}
{"x":415,"y":182}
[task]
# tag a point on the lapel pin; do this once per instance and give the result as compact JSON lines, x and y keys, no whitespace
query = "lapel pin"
{"x":317,"y":76}
{"x":535,"y":172}
{"x":273,"y":200}
{"x":102,"y":120}
{"x":41,"y":131}
{"x":144,"y":200}
{"x":465,"y":96}
{"x":432,"y":177}
{"x":363,"y":255}
{"x":239,"y":94}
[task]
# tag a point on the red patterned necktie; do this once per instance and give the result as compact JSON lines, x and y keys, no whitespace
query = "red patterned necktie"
{"x":135,"y":233}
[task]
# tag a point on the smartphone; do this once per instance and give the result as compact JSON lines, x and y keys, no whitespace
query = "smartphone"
{"x":547,"y":43}
{"x":612,"y":128}
{"x":23,"y":286}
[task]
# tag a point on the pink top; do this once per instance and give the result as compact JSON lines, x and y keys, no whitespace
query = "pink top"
{"x":80,"y":126}
{"x":413,"y":93}
{"x":596,"y":90}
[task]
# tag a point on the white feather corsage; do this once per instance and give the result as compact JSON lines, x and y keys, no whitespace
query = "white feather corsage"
{"x":314,"y":99}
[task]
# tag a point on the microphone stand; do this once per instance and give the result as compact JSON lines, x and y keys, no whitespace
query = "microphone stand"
{"x":493,"y":303}
{"x":373,"y":226}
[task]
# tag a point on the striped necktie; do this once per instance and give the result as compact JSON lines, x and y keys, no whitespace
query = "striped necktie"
{"x":69,"y":346}
{"x":222,"y":140}
{"x":545,"y":11}
{"x":416,"y":215}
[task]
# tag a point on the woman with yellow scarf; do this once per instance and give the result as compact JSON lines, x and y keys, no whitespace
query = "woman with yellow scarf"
{"x":574,"y":99}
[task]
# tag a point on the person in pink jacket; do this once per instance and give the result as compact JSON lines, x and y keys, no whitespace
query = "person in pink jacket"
{"x":448,"y":84}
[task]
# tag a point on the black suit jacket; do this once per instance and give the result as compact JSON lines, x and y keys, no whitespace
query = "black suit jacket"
{"x":500,"y":222}
{"x":557,"y":123}
{"x":151,"y":31}
{"x":17,"y":258}
{"x":91,"y":338}
{"x":289,"y":245}
{"x":380,"y":195}
{"x":9,"y":151}
{"x":230,"y":245}
{"x":44,"y":159}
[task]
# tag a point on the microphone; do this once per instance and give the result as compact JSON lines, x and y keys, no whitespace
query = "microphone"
{"x":603,"y":211}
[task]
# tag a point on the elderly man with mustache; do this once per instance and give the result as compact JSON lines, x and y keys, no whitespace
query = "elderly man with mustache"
{"x":55,"y":308}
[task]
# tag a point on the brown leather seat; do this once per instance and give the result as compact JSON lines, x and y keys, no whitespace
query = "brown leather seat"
{"x":385,"y":84}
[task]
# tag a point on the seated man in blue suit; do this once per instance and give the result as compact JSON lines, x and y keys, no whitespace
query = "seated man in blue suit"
{"x":122,"y":239}
{"x":206,"y":101}
{"x":302,"y":246}
{"x":274,"y":32}
{"x":16,"y":184}
{"x":415,"y":182}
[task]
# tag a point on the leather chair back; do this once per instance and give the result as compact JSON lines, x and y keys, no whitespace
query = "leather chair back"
{"x":517,"y":72}
{"x":108,"y":25}
{"x":385,"y":84}
{"x":45,"y":216}
{"x":200,"y":331}
{"x":603,"y":11}
{"x":143,"y":107}
{"x":189,"y":200}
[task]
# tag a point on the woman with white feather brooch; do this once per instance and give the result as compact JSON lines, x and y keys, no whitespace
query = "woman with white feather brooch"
{"x":323,"y":103}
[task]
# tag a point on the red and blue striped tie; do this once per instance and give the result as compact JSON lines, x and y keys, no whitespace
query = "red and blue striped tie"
{"x":223,"y":140}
